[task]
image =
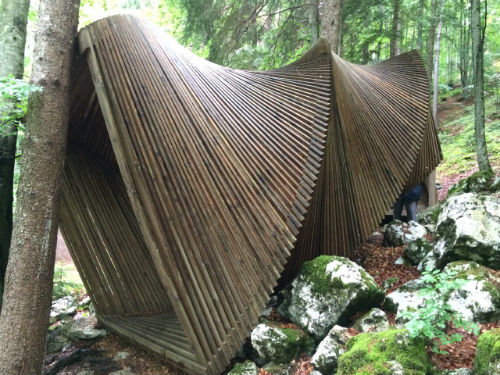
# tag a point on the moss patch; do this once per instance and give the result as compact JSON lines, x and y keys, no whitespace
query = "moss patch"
{"x":375,"y":353}
{"x":475,"y":183}
{"x":244,"y":368}
{"x":487,"y":359}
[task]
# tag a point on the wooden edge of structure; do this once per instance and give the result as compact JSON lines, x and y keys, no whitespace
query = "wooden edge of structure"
{"x":191,"y":190}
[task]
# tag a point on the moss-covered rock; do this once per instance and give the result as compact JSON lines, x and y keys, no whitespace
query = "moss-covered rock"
{"x":487,"y":360}
{"x":329,"y":290}
{"x":397,"y":233}
{"x":469,"y":229}
{"x":475,"y":183}
{"x":416,"y":250}
{"x":244,"y":368}
{"x":495,"y":186}
{"x":279,"y":345}
{"x":429,"y":217}
{"x":405,"y":297}
{"x":373,"y":321}
{"x":276,"y":368}
{"x":387,"y":352}
{"x":329,"y":350}
{"x":479,"y":299}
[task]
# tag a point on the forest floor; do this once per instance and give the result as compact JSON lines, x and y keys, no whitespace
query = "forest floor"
{"x":456,"y":136}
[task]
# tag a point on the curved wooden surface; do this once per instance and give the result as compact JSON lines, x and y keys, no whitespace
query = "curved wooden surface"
{"x":188,"y":185}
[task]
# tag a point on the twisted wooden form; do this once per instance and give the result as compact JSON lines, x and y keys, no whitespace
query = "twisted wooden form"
{"x":190,"y":189}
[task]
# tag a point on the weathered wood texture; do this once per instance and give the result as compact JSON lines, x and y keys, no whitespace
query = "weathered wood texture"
{"x":188,"y":185}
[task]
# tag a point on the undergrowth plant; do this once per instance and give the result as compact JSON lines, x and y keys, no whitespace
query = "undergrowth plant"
{"x":14,"y":94}
{"x":432,"y":320}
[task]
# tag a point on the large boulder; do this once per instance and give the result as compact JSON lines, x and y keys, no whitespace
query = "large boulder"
{"x":487,"y":360}
{"x":385,"y":353}
{"x":373,"y":321}
{"x":468,"y":228}
{"x":273,"y":343}
{"x":407,"y":296}
{"x":479,"y":299}
{"x":329,"y":350}
{"x":84,"y":328}
{"x":475,"y":183}
{"x":416,"y":250}
{"x":397,"y":233}
{"x":329,"y":290}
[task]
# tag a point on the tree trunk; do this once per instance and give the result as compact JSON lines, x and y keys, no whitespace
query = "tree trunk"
{"x":28,"y":283}
{"x":478,"y":34}
{"x":330,"y":16}
{"x":13,"y":20}
{"x":395,"y":44}
{"x":464,"y":52}
{"x":421,"y":11}
{"x":430,"y":40}
{"x":313,"y":21}
{"x":435,"y":91}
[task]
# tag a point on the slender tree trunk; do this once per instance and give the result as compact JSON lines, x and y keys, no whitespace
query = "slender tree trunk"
{"x":330,"y":16}
{"x":28,"y":284}
{"x":13,"y":20}
{"x":431,"y":39}
{"x":395,"y":44}
{"x":478,"y":34}
{"x":421,"y":11}
{"x":464,"y":52}
{"x":313,"y":21}
{"x":435,"y":91}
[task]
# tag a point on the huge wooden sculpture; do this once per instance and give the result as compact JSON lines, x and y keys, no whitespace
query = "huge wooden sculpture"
{"x":191,"y":188}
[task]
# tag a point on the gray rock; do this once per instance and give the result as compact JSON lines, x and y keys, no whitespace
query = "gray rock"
{"x":125,"y":371}
{"x":397,"y":233}
{"x":62,"y":307}
{"x":469,"y":229}
{"x":479,"y":299}
{"x":86,"y":372}
{"x":406,"y":296}
{"x":428,"y":262}
{"x":84,"y":329}
{"x":373,"y":321}
{"x":401,"y":261}
{"x":279,"y":345}
{"x":328,"y":291}
{"x":56,"y":341}
{"x":244,"y":368}
{"x":495,"y":186}
{"x":416,"y":250}
{"x":121,"y":356}
{"x":330,"y":349}
{"x":458,"y":371}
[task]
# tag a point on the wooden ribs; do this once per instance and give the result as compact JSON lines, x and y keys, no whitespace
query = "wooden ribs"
{"x":189,"y":185}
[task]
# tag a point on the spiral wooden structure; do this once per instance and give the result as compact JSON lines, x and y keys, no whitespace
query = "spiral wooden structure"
{"x":191,"y":188}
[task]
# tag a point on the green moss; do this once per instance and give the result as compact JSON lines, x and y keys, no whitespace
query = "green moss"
{"x":372,"y":353}
{"x":314,"y":272}
{"x":475,"y":183}
{"x":487,"y":358}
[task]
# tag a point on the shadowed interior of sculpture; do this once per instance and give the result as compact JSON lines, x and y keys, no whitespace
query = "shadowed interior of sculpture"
{"x":191,"y":189}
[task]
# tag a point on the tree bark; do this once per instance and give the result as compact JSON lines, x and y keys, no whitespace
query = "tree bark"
{"x":28,"y":284}
{"x":478,"y":34}
{"x":421,"y":11}
{"x":330,"y":16}
{"x":435,"y":91}
{"x":430,"y":41}
{"x":13,"y":20}
{"x":395,"y":44}
{"x":464,"y":52}
{"x":313,"y":21}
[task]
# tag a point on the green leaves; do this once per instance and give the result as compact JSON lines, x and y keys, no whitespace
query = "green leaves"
{"x":431,"y":321}
{"x":14,"y":94}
